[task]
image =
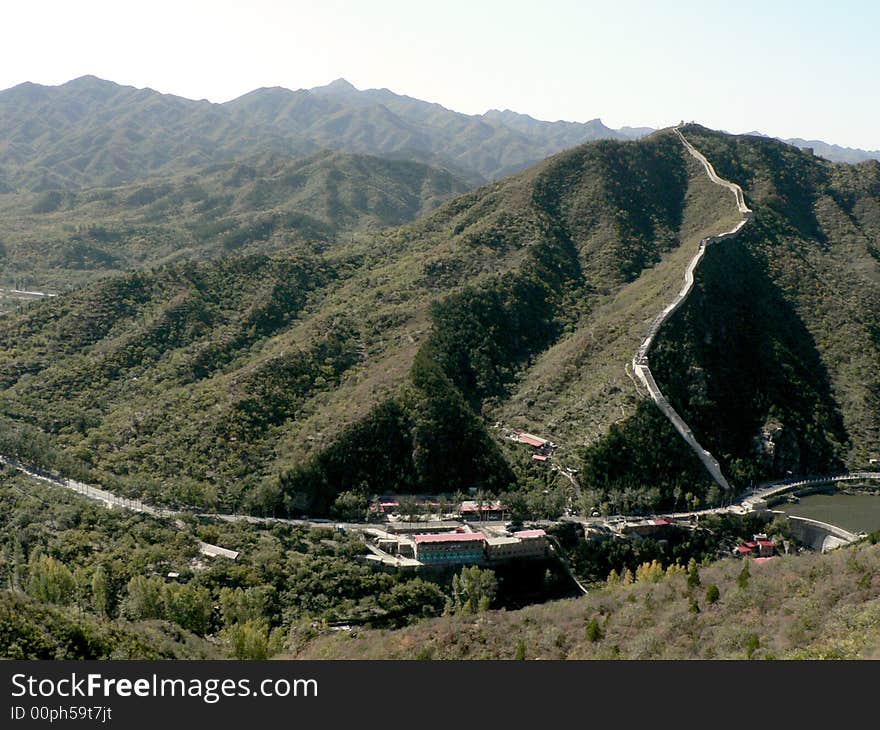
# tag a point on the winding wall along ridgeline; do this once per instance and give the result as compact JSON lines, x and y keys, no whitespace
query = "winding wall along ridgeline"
{"x":640,"y":359}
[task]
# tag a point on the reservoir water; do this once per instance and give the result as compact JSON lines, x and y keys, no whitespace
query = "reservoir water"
{"x":853,"y":512}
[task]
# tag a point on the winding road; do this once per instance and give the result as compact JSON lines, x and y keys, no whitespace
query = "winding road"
{"x":640,"y":360}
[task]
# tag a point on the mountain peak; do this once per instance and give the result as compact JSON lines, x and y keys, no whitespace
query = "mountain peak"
{"x":88,"y":81}
{"x":339,"y":86}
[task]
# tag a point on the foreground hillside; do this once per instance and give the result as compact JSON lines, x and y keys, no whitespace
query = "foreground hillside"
{"x":31,"y":629}
{"x":79,"y":580}
{"x":793,"y":607}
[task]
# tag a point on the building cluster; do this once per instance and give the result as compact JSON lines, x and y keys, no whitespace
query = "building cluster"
{"x":653,"y":527}
{"x":472,"y":510}
{"x":760,"y":547}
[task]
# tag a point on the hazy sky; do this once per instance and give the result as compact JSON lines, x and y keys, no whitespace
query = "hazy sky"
{"x":807,"y":69}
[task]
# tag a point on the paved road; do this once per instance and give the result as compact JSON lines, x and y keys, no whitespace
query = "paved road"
{"x":109,"y":499}
{"x":88,"y":490}
{"x":24,"y":294}
{"x":640,"y":360}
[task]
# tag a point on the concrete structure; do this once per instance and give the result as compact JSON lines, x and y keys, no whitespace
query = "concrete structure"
{"x":818,"y":535}
{"x":215,"y":551}
{"x":644,"y":528}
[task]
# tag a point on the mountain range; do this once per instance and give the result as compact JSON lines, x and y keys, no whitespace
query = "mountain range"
{"x":90,"y":132}
{"x":833,"y":152}
{"x":95,"y":132}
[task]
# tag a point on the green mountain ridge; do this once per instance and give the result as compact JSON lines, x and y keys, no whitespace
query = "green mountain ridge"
{"x":289,"y":380}
{"x":262,"y":203}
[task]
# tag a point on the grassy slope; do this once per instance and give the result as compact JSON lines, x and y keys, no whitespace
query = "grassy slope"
{"x":582,"y":383}
{"x":810,"y":606}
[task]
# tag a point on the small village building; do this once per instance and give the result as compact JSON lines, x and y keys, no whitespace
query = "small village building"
{"x":645,"y":528}
{"x":759,"y":546}
{"x":765,"y":546}
{"x":502,"y":548}
{"x":531,"y":439}
{"x":409,"y":528}
{"x":542,"y":446}
{"x":533,"y":542}
{"x":525,"y":544}
{"x":450,"y":547}
{"x":479,"y":511}
{"x":215,"y":551}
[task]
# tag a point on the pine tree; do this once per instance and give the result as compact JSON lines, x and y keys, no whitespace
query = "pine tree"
{"x":743,"y":579}
{"x":693,"y":579}
{"x":101,"y":591}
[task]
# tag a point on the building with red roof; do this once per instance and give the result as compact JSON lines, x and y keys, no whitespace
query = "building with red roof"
{"x":522,"y":544}
{"x":450,"y":547}
{"x":491,"y":510}
{"x":760,"y":545}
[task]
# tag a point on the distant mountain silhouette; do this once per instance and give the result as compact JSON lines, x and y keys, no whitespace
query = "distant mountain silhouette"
{"x":95,"y":132}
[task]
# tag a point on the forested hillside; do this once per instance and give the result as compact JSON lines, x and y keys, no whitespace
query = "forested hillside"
{"x":370,"y":364}
{"x":80,"y":581}
{"x":317,"y":375}
{"x":59,"y":239}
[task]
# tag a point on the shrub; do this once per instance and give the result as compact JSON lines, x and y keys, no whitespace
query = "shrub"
{"x":712,"y":594}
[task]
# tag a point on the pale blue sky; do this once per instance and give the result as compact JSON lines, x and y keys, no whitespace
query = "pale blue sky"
{"x":806,"y":69}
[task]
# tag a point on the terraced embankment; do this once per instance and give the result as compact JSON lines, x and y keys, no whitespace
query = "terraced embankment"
{"x":640,"y":359}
